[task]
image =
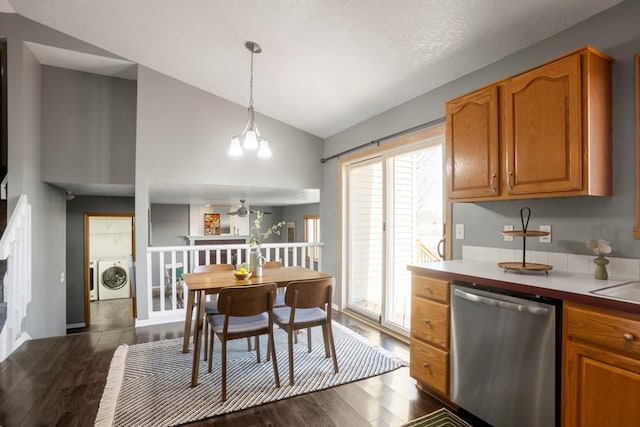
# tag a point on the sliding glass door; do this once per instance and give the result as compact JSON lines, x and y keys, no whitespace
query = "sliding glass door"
{"x":366,"y":238}
{"x":394,"y":208}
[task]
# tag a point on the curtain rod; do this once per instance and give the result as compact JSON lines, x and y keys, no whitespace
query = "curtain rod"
{"x":384,"y":138}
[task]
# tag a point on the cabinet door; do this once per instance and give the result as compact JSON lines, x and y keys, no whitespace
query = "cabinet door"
{"x":430,"y":365}
{"x":543,"y":129}
{"x":472,"y":150}
{"x":601,"y":388}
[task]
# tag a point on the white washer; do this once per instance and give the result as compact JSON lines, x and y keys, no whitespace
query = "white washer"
{"x":113,"y":276}
{"x":93,"y":280}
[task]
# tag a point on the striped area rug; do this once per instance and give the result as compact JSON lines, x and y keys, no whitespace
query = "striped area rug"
{"x":148,"y":384}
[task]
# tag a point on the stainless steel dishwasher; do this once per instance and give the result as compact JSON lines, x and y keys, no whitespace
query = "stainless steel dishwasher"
{"x":503,"y":357}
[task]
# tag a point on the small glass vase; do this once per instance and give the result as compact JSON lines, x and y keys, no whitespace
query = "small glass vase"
{"x":601,"y":269}
{"x":256,"y":261}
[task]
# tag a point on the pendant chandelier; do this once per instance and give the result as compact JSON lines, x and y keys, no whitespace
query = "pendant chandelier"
{"x":250,"y":138}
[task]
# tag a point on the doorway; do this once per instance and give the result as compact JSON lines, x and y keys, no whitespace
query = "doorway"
{"x":394,"y":214}
{"x":109,"y":251}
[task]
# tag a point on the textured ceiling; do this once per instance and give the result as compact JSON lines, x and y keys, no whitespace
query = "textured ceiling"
{"x":326,"y":64}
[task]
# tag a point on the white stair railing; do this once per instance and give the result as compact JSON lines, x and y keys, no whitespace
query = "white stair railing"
{"x":15,"y":247}
{"x":166,"y":264}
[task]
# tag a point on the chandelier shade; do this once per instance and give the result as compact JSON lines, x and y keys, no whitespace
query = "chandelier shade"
{"x":250,"y":138}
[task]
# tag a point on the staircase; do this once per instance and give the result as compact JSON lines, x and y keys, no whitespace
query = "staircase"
{"x":15,"y":250}
{"x":3,"y":304}
{"x":3,"y":264}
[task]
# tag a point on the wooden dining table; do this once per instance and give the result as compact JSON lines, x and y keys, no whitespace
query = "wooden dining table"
{"x":201,"y":284}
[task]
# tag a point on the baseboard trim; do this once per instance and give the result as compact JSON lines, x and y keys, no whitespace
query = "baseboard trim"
{"x":76,"y":325}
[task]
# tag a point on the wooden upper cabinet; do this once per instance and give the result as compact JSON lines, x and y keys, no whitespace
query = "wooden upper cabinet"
{"x":543,"y":130}
{"x":472,"y":147}
{"x":554,"y":133}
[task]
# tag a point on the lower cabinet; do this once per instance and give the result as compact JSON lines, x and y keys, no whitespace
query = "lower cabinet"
{"x":430,"y":366}
{"x":601,"y":368}
{"x":430,"y":316}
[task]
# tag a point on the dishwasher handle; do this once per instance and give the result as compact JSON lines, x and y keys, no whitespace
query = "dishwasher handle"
{"x":538,"y":311}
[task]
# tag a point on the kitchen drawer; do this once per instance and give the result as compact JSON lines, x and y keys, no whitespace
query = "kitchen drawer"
{"x":427,"y":287}
{"x":430,"y":366}
{"x":430,"y":322}
{"x":608,"y":329}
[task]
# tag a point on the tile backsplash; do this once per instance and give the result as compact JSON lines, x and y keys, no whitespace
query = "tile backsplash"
{"x":622,"y":268}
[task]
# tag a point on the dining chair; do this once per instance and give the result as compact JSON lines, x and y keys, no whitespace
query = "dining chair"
{"x":211,"y":307}
{"x":280,"y":296}
{"x":308,"y":304}
{"x":272,"y":264}
{"x":168,"y":280}
{"x":244,"y":311}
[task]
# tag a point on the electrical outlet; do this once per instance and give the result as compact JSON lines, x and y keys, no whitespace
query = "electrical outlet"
{"x":62,"y":277}
{"x":508,"y":228}
{"x":460,"y":231}
{"x":547,"y":238}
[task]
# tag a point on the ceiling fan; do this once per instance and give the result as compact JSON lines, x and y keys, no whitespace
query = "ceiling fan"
{"x":242,"y":210}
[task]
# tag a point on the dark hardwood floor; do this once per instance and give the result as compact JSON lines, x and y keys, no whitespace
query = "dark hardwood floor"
{"x":59,"y":381}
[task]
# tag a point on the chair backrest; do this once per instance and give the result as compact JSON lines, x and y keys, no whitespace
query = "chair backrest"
{"x":310,"y":293}
{"x":178,"y":267}
{"x":272,"y":264}
{"x":247,"y":300}
{"x":212,"y":268}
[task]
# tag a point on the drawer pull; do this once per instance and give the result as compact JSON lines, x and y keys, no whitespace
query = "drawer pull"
{"x":428,"y":322}
{"x":628,"y":337}
{"x":428,"y":289}
{"x":425,"y":365}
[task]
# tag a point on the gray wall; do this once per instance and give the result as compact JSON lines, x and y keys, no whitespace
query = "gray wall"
{"x":574,"y":220}
{"x":169,"y":224}
{"x":46,"y":311}
{"x":296,"y":213}
{"x":183,"y":135}
{"x":76,"y":209}
{"x":88,"y":128}
{"x":46,"y":314}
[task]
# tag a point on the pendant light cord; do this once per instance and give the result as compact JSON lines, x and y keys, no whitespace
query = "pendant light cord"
{"x":251,"y":82}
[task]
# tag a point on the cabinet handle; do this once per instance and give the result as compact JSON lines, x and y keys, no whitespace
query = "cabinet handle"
{"x":427,"y":322}
{"x":493,"y":182}
{"x":510,"y":181}
{"x":628,"y":337}
{"x":425,"y":365}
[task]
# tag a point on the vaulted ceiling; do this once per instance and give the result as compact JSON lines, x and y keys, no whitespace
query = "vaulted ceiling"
{"x":326,"y":65}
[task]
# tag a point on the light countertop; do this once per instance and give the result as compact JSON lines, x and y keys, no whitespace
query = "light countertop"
{"x":563,"y":285}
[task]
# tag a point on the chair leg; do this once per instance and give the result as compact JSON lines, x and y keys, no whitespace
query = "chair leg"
{"x":224,"y":370}
{"x":325,"y":335}
{"x":269,"y":345}
{"x":333,"y":349}
{"x":309,"y":340}
{"x":258,"y":348}
{"x":249,"y":344}
{"x":206,"y":338}
{"x":290,"y":345}
{"x":210,"y":361}
{"x":272,"y":347}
